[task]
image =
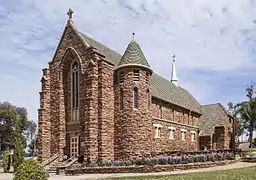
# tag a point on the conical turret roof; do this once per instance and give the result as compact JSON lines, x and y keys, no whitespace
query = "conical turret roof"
{"x":133,"y":55}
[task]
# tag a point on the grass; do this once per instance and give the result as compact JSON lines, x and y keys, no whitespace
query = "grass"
{"x":248,"y":173}
{"x":249,"y":150}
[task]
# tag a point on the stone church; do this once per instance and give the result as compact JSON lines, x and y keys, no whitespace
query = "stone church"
{"x":98,"y":103}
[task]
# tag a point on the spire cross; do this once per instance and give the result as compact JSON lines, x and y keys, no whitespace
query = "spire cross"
{"x":70,"y":13}
{"x":133,"y":34}
{"x":173,"y":57}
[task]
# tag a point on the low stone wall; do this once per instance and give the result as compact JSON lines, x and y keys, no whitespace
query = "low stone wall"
{"x":143,"y":169}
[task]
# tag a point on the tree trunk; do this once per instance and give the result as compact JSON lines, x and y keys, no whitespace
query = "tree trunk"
{"x":250,"y":133}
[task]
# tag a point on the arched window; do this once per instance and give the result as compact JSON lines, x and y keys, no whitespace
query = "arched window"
{"x":136,"y":98}
{"x":121,"y":99}
{"x":160,"y":112}
{"x":149,"y":98}
{"x":75,"y":92}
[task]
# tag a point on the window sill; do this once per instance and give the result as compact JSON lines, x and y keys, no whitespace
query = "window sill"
{"x":157,"y":137}
{"x":73,"y":122}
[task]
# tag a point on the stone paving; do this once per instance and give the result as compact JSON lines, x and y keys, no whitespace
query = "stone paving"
{"x":5,"y":176}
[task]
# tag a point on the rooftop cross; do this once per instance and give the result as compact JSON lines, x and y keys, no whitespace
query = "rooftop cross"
{"x":70,"y":13}
{"x":133,"y":34}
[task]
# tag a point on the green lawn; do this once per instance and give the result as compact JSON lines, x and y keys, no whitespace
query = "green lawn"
{"x":249,"y":150}
{"x":234,"y":174}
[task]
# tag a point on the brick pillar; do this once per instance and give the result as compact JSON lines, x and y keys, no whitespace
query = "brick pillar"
{"x":91,"y":109}
{"x":106,"y":111}
{"x":44,"y":124}
{"x":62,"y":122}
{"x":211,"y":145}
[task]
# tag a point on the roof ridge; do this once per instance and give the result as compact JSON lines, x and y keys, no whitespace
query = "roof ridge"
{"x":210,"y":104}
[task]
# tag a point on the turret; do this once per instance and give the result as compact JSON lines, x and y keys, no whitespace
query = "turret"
{"x":132,"y":104}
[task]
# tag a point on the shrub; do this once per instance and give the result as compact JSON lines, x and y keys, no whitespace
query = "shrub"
{"x":6,"y":162}
{"x":18,"y":153}
{"x":164,"y":160}
{"x":30,"y":169}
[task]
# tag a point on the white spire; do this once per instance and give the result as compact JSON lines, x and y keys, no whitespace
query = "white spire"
{"x":174,"y":78}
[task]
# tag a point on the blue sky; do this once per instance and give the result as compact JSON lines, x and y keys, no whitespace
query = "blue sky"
{"x":214,"y":42}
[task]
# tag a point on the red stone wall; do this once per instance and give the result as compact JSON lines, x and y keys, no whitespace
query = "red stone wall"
{"x":133,"y":127}
{"x":44,"y":123}
{"x":219,"y":137}
{"x":164,"y":143}
{"x":205,"y":142}
{"x":106,"y":111}
{"x":173,"y":113}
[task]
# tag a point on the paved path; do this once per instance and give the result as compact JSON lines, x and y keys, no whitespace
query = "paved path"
{"x":4,"y":176}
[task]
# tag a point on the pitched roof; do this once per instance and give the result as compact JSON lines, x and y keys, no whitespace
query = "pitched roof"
{"x":133,"y":55}
{"x":161,"y":88}
{"x":213,"y":115}
{"x":167,"y":91}
{"x":110,"y":55}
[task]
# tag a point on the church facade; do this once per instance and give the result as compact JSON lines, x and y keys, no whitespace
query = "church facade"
{"x":97,"y":103}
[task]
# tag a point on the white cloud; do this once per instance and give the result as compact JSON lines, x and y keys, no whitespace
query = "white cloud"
{"x":215,"y":36}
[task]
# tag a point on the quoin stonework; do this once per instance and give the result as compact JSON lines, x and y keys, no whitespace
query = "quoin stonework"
{"x":97,"y":103}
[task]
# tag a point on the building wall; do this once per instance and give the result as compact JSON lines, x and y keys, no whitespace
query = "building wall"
{"x":205,"y":143}
{"x":70,"y":48}
{"x":169,"y":115}
{"x":164,"y":110}
{"x":106,"y":110}
{"x":165,"y":144}
{"x":133,"y":136}
{"x":105,"y":130}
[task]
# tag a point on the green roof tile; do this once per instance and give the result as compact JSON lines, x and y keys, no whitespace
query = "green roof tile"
{"x":133,"y":55}
{"x":161,"y":88}
{"x":213,"y":115}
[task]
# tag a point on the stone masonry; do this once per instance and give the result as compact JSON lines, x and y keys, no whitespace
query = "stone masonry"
{"x":109,"y":125}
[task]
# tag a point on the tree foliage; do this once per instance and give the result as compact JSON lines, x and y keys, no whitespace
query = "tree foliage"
{"x":6,"y":159}
{"x":30,"y":130}
{"x":18,"y":153}
{"x":238,"y":127}
{"x":246,"y":111}
{"x":33,"y":146}
{"x":8,"y":117}
{"x":30,"y":169}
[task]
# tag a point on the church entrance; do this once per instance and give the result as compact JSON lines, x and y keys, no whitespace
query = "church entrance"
{"x":74,"y":145}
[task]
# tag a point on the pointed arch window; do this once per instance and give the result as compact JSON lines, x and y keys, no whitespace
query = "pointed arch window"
{"x":136,"y":98}
{"x":75,"y":92}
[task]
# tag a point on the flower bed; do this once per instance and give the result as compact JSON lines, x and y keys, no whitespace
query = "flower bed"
{"x":165,"y":160}
{"x":155,"y":164}
{"x":141,"y":168}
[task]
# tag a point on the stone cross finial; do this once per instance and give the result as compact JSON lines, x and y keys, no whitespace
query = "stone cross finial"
{"x":133,"y":34}
{"x":70,"y":13}
{"x":173,"y":57}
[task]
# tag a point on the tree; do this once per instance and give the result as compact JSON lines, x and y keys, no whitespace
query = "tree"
{"x":30,"y":130}
{"x":238,"y":127}
{"x":32,"y":147}
{"x":31,"y":137}
{"x":247,"y":112}
{"x":8,"y":117}
{"x":18,"y":154}
{"x":6,"y":162}
{"x":30,"y":169}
